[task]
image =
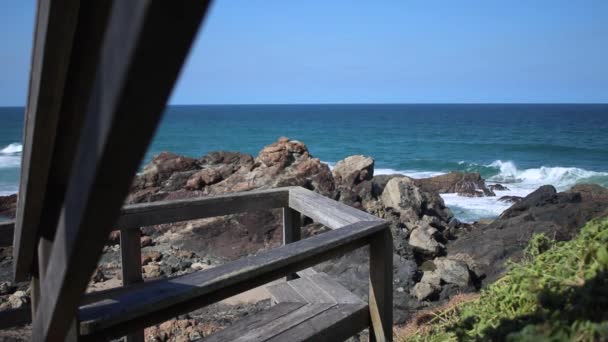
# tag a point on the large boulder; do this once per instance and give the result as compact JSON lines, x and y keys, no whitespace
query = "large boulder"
{"x":161,"y":168}
{"x":464,"y":184}
{"x":423,"y":240}
{"x":452,"y":271}
{"x":353,"y":170}
{"x":412,"y":202}
{"x":557,"y":215}
{"x":284,"y":163}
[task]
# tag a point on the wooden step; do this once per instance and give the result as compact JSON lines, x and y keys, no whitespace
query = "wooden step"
{"x":316,"y":288}
{"x":294,"y":322}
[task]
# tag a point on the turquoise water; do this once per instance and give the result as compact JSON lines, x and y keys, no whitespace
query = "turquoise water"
{"x":523,"y":145}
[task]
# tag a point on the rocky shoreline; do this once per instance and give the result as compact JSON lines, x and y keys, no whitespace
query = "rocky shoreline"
{"x":436,"y":256}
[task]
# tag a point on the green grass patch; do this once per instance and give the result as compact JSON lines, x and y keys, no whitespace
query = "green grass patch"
{"x":557,"y":292}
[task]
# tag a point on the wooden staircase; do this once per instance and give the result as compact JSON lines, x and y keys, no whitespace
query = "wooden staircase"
{"x":313,"y":307}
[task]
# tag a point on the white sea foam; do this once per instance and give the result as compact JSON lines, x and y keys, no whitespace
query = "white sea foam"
{"x":13,"y":148}
{"x":520,"y":183}
{"x":562,"y":178}
{"x":10,"y":156}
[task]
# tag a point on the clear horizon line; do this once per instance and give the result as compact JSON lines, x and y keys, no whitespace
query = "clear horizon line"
{"x":366,"y":103}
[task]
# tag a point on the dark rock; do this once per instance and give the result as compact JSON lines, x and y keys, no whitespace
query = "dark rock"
{"x":177,"y":180}
{"x":497,"y":187}
{"x":557,"y":215}
{"x":511,"y":199}
{"x":161,"y":168}
{"x":469,"y":184}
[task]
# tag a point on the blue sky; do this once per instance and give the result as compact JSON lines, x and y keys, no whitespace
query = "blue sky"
{"x":406,"y":51}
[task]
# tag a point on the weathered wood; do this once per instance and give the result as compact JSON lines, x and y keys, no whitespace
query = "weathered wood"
{"x":338,"y":292}
{"x":381,"y":286}
{"x":310,"y":291}
{"x":283,"y":293}
{"x":307,"y":272}
{"x":85,"y":52}
{"x":130,"y":258}
{"x":336,"y":324}
{"x":324,"y":210}
{"x":55,"y":26}
{"x":154,"y":302}
{"x":146,"y":214}
{"x":128,"y":98}
{"x":284,"y":323}
{"x":291,"y":230}
{"x":252,"y":322}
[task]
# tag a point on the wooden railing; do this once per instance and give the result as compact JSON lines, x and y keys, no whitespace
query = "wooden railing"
{"x":127,"y":310}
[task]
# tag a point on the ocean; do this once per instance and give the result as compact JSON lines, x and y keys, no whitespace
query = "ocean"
{"x":522,"y":146}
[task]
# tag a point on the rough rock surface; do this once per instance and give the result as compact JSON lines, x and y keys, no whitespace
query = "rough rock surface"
{"x":413,"y":202}
{"x":353,"y":170}
{"x":557,"y":215}
{"x":464,"y":184}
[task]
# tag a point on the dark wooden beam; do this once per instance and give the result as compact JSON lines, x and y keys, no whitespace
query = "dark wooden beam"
{"x":144,"y":48}
{"x":55,"y":25}
{"x":86,"y":48}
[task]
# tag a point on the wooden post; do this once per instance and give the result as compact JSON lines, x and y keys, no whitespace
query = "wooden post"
{"x":130,"y":258}
{"x":381,"y":286}
{"x":291,"y":230}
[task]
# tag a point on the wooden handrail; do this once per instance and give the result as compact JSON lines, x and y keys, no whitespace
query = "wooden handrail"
{"x":146,"y":214}
{"x":157,"y":301}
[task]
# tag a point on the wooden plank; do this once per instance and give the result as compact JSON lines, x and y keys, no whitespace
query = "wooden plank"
{"x":55,"y":24}
{"x":324,"y":210}
{"x":155,"y":302}
{"x":128,"y":98}
{"x":339,"y":293}
{"x":291,"y":226}
{"x":284,"y":323}
{"x":146,"y":214}
{"x":381,"y":286}
{"x":130,"y":258}
{"x":291,"y":230}
{"x":307,"y":272}
{"x":283,"y":293}
{"x":7,"y":230}
{"x":252,"y":322}
{"x":336,"y":324}
{"x":86,"y":47}
{"x":310,"y":291}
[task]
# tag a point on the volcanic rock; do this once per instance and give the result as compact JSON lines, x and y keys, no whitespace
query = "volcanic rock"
{"x":464,"y":184}
{"x":557,"y":215}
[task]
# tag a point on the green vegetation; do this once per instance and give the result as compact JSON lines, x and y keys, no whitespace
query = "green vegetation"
{"x":558,"y":292}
